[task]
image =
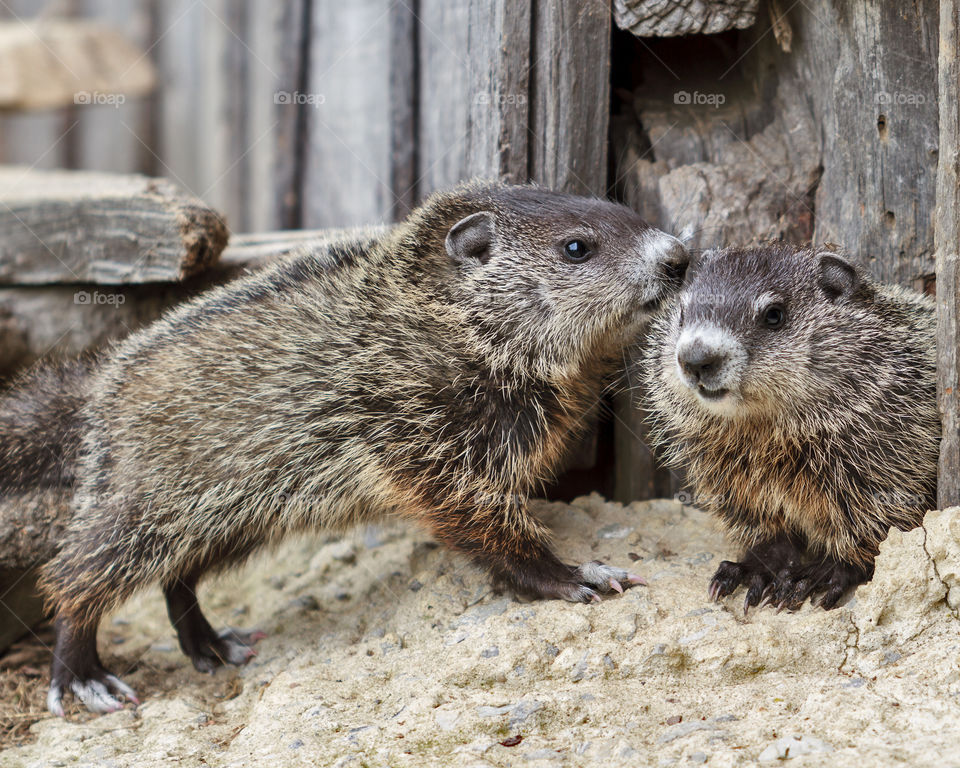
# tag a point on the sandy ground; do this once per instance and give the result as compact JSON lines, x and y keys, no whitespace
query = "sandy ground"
{"x":385,"y":650}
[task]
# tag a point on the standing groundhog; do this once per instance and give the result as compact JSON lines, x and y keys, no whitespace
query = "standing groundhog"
{"x":801,"y":397}
{"x":436,"y":373}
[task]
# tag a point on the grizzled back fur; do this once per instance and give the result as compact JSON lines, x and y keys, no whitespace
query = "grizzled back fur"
{"x":436,"y":372}
{"x":800,"y":395}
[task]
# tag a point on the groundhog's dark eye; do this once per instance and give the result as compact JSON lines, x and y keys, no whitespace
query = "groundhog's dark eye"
{"x":577,"y":251}
{"x":774,"y":316}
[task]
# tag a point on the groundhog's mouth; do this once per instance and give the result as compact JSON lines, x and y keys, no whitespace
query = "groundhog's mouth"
{"x":711,"y":394}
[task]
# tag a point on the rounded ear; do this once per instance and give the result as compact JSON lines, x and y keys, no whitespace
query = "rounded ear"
{"x":471,"y":238}
{"x":838,"y":278}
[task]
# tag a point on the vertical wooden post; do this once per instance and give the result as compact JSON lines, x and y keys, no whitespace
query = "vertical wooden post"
{"x":570,"y":95}
{"x":292,"y":62}
{"x":947,"y":238}
{"x":404,"y":79}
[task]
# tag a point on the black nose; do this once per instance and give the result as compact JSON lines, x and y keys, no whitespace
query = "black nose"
{"x":674,"y":265}
{"x":699,"y":361}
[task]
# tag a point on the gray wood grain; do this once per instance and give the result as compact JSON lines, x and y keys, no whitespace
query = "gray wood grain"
{"x":444,"y":97}
{"x":947,"y":228}
{"x":109,"y":137}
{"x":70,"y":227}
{"x":869,"y":70}
{"x":347,"y":109}
{"x":289,"y":139}
{"x":48,"y":63}
{"x":65,"y":320}
{"x":570,"y":95}
{"x":404,"y":80}
{"x":498,"y":51}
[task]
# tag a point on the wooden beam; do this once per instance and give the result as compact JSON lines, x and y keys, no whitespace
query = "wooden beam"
{"x":498,"y":49}
{"x":947,"y":235}
{"x":570,"y":95}
{"x":870,"y":72}
{"x":61,"y":62}
{"x":80,"y":227}
{"x":347,"y":108}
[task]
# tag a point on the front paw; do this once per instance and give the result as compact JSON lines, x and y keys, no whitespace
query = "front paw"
{"x":578,"y":584}
{"x":823,"y":582}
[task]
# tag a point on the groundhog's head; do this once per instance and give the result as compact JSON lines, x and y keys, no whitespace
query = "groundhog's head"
{"x":548,"y":281}
{"x":759,"y":331}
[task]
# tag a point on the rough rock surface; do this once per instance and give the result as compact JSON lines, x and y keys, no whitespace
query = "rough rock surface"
{"x":385,"y":650}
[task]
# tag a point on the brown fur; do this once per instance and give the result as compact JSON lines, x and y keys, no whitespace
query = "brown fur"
{"x":829,"y":436}
{"x":432,"y":376}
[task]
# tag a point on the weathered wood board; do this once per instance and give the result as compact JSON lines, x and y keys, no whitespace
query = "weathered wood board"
{"x":77,"y":227}
{"x":870,"y":71}
{"x":570,"y":96}
{"x":51,"y":62}
{"x":947,"y":227}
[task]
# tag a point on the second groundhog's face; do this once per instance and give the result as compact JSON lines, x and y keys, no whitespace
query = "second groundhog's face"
{"x":752,"y":328}
{"x":556,"y":279}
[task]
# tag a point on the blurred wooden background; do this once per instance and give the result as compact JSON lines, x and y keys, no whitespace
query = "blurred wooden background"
{"x":734,"y":120}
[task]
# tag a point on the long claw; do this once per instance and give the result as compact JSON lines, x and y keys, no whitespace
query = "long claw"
{"x":615,"y":585}
{"x":637,"y":580}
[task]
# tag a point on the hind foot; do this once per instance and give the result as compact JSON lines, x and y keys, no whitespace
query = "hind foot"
{"x":206,"y":648}
{"x":100,"y":692}
{"x":231,"y":646}
{"x":77,"y":668}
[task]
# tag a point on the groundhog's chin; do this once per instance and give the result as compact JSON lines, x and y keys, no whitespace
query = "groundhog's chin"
{"x":718,"y":402}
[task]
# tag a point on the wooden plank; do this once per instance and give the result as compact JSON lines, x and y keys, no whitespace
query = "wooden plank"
{"x":65,"y":320}
{"x":178,"y":55}
{"x":404,"y":87}
{"x":267,"y":45}
{"x":947,"y":228}
{"x":870,"y":72}
{"x":474,"y":91}
{"x":111,"y":137}
{"x":220,"y":128}
{"x":570,"y":95}
{"x":39,"y":139}
{"x":347,"y":109}
{"x":78,"y":226}
{"x":443,"y":101}
{"x":290,"y":133}
{"x":498,"y":48}
{"x":50,"y":63}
